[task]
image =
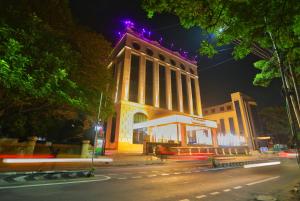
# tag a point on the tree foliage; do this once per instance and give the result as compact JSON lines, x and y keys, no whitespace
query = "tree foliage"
{"x":247,"y":23}
{"x":52,"y":70}
{"x":274,"y":122}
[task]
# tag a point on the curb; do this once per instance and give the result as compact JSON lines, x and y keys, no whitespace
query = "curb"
{"x":11,"y":177}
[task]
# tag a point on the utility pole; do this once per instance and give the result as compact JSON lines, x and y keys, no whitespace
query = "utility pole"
{"x":97,"y":129}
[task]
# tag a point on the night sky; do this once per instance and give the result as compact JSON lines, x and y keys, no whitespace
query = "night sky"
{"x":218,"y":76}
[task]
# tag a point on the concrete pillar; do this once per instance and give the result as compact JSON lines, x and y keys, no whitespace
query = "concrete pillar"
{"x":85,"y":149}
{"x":230,"y":151}
{"x":168,"y":90}
{"x":183,"y":135}
{"x":126,"y":74}
{"x":141,"y":90}
{"x":214,"y":137}
{"x":235,"y":150}
{"x":189,"y":91}
{"x":179,"y":85}
{"x":198,"y":97}
{"x":216,"y":151}
{"x":31,"y":142}
{"x":156,"y":83}
{"x":223,"y":151}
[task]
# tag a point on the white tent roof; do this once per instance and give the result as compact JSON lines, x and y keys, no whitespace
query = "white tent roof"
{"x":174,"y":119}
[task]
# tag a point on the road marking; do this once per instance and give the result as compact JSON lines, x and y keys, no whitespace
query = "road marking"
{"x":164,"y":174}
{"x":200,"y":196}
{"x":238,"y":187}
{"x":227,"y":190}
{"x":177,"y":173}
{"x":262,"y":164}
{"x":142,"y":172}
{"x":188,"y":172}
{"x":185,"y":200}
{"x":57,"y":183}
{"x":152,"y":175}
{"x":112,"y":174}
{"x":197,"y":171}
{"x":261,"y":181}
{"x":136,"y":177}
{"x":122,"y":178}
{"x":21,"y":178}
{"x":215,"y":193}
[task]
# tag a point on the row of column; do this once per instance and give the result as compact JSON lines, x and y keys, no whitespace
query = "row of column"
{"x":141,"y":87}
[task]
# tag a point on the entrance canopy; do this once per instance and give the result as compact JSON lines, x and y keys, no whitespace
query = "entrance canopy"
{"x":176,"y":119}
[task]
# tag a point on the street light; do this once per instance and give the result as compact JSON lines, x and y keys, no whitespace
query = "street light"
{"x":97,"y":127}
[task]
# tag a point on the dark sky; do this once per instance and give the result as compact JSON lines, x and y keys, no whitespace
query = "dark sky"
{"x":218,"y":76}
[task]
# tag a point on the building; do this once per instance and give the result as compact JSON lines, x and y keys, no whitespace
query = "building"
{"x":157,"y":98}
{"x":237,"y":120}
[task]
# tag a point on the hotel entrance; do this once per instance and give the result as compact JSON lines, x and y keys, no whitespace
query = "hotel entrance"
{"x":175,"y":129}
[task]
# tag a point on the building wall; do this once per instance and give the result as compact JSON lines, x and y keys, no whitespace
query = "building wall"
{"x":125,"y":109}
{"x":246,"y":126}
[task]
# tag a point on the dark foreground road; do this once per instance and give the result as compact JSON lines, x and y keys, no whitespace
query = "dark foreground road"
{"x":176,"y":182}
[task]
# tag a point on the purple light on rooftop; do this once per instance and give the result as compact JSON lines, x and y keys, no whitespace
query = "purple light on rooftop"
{"x":160,"y":40}
{"x":128,"y":23}
{"x":172,"y":45}
{"x":149,"y":33}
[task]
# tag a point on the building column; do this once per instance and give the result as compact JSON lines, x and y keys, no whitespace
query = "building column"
{"x":214,"y":137}
{"x":126,"y":74}
{"x":141,"y":90}
{"x":179,"y":89}
{"x":156,"y":83}
{"x":198,"y":97}
{"x":183,"y":134}
{"x":190,"y":97}
{"x":168,"y":90}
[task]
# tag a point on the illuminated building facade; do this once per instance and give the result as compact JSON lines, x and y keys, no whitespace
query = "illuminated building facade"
{"x":157,"y":98}
{"x":237,"y":121}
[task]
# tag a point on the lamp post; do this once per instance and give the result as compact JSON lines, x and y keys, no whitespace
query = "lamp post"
{"x":98,"y":123}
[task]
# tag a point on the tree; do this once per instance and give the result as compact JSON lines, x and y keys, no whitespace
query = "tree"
{"x":275,"y":123}
{"x":51,"y":70}
{"x":271,"y":26}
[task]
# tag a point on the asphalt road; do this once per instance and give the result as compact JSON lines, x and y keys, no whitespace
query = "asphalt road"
{"x":179,"y":182}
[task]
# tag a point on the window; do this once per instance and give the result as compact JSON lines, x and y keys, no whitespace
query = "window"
{"x":174,"y":91}
{"x":139,"y":135}
{"x":162,"y":87}
{"x":182,"y":67}
{"x":185,"y":97}
{"x":161,"y":57}
{"x":222,"y":126}
{"x":229,"y":107}
{"x":173,"y":62}
{"x":149,"y":52}
{"x":136,"y":46}
{"x":256,"y":122}
{"x":193,"y":86}
{"x":134,"y":78}
{"x":149,"y":83}
{"x":231,"y":124}
{"x":239,"y":117}
{"x":113,"y":128}
{"x":213,"y":110}
{"x":222,"y":109}
{"x":119,"y":78}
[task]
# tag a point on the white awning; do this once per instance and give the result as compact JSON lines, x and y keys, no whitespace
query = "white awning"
{"x":175,"y":119}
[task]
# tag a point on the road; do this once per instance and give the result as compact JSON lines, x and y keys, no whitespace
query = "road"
{"x":173,"y":182}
